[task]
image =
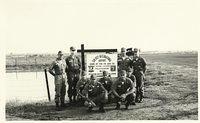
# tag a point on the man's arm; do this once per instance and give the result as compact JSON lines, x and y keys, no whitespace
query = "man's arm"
{"x":67,"y":62}
{"x":51,"y":69}
{"x":132,"y":88}
{"x":113,"y":88}
{"x":144,"y":65}
{"x":103,"y":87}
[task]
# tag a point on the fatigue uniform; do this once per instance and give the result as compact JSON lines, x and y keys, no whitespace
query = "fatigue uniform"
{"x":58,"y":67}
{"x":132,"y":77}
{"x":123,"y":63}
{"x":80,"y":86}
{"x":123,"y":86}
{"x":139,"y":67}
{"x":96,"y":93}
{"x":107,"y":84}
{"x":73,"y":73}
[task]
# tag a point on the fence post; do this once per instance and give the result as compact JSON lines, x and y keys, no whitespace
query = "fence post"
{"x":82,"y":57}
{"x":47,"y":84}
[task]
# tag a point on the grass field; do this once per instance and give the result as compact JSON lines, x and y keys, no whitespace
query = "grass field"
{"x":171,"y":93}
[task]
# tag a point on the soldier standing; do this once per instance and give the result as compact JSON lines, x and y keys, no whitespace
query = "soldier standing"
{"x":139,"y":68}
{"x":73,"y":70}
{"x":123,"y":60}
{"x":95,"y":94}
{"x":107,"y":83}
{"x":57,"y":69}
{"x":123,"y":90}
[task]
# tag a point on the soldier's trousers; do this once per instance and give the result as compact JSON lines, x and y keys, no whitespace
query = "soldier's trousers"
{"x":72,"y":81}
{"x":129,"y":98}
{"x":60,"y":88}
{"x":100,"y":99}
{"x":139,"y":86}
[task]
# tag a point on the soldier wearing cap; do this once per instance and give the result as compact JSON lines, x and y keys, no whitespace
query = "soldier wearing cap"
{"x":123,"y":60}
{"x":123,"y":89}
{"x":80,"y":86}
{"x":57,"y":69}
{"x":95,"y":94}
{"x":138,"y":64}
{"x":107,"y":83}
{"x":73,"y":70}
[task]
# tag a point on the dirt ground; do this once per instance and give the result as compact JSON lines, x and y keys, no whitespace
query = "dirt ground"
{"x":171,"y":93}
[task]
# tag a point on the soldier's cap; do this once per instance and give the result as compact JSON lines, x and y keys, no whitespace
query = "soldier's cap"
{"x":123,"y":72}
{"x":92,"y":77}
{"x":123,"y":49}
{"x":83,"y":73}
{"x":135,"y":50}
{"x":72,"y":48}
{"x":130,"y":69}
{"x":60,"y":52}
{"x":105,"y":73}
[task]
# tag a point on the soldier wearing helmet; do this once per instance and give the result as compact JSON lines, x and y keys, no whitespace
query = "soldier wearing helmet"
{"x":123,"y":60}
{"x":123,"y":90}
{"x":80,"y":86}
{"x":107,"y":82}
{"x":95,"y":94}
{"x":73,"y":70}
{"x":138,"y":64}
{"x":57,"y":69}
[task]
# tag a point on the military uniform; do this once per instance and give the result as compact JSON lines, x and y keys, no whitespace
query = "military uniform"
{"x":57,"y":69}
{"x":122,"y":86}
{"x":79,"y":88}
{"x":138,"y":65}
{"x":123,"y":63}
{"x":107,"y":83}
{"x":96,"y":93}
{"x":73,"y":74}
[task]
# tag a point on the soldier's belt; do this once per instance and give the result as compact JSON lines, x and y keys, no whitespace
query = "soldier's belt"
{"x":59,"y":73}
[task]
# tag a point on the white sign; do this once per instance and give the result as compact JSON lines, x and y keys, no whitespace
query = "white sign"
{"x":99,"y":62}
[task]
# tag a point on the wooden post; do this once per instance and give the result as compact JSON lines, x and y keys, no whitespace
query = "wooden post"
{"x":47,"y":84}
{"x":82,"y":57}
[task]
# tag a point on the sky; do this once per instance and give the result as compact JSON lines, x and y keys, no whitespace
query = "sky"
{"x":47,"y":26}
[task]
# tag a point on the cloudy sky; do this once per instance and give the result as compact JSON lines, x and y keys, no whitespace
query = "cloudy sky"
{"x":46,"y":26}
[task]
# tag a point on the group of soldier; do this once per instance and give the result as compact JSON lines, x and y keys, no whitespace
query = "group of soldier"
{"x":127,"y":88}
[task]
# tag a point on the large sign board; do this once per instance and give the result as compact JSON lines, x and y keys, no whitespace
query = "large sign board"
{"x":99,"y":62}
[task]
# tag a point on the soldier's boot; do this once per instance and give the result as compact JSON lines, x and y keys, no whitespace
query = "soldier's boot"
{"x":141,"y":99}
{"x":74,"y":99}
{"x":70,"y":100}
{"x":141,"y":95}
{"x":62,"y":104}
{"x":57,"y":104}
{"x":137,"y":97}
{"x":62,"y":100}
{"x":127,"y":105}
{"x":89,"y":109}
{"x":101,"y":108}
{"x":118,"y":106}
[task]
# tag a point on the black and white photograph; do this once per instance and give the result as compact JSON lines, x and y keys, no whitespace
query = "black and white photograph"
{"x":99,"y":60}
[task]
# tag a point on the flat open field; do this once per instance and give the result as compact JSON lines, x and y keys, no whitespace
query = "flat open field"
{"x":171,"y":93}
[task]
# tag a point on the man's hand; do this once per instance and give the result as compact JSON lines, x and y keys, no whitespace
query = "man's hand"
{"x":106,"y":96}
{"x":123,"y":97}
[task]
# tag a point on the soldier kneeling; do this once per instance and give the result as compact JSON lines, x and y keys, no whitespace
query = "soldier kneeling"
{"x":123,"y":89}
{"x":79,"y":88}
{"x":95,"y":94}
